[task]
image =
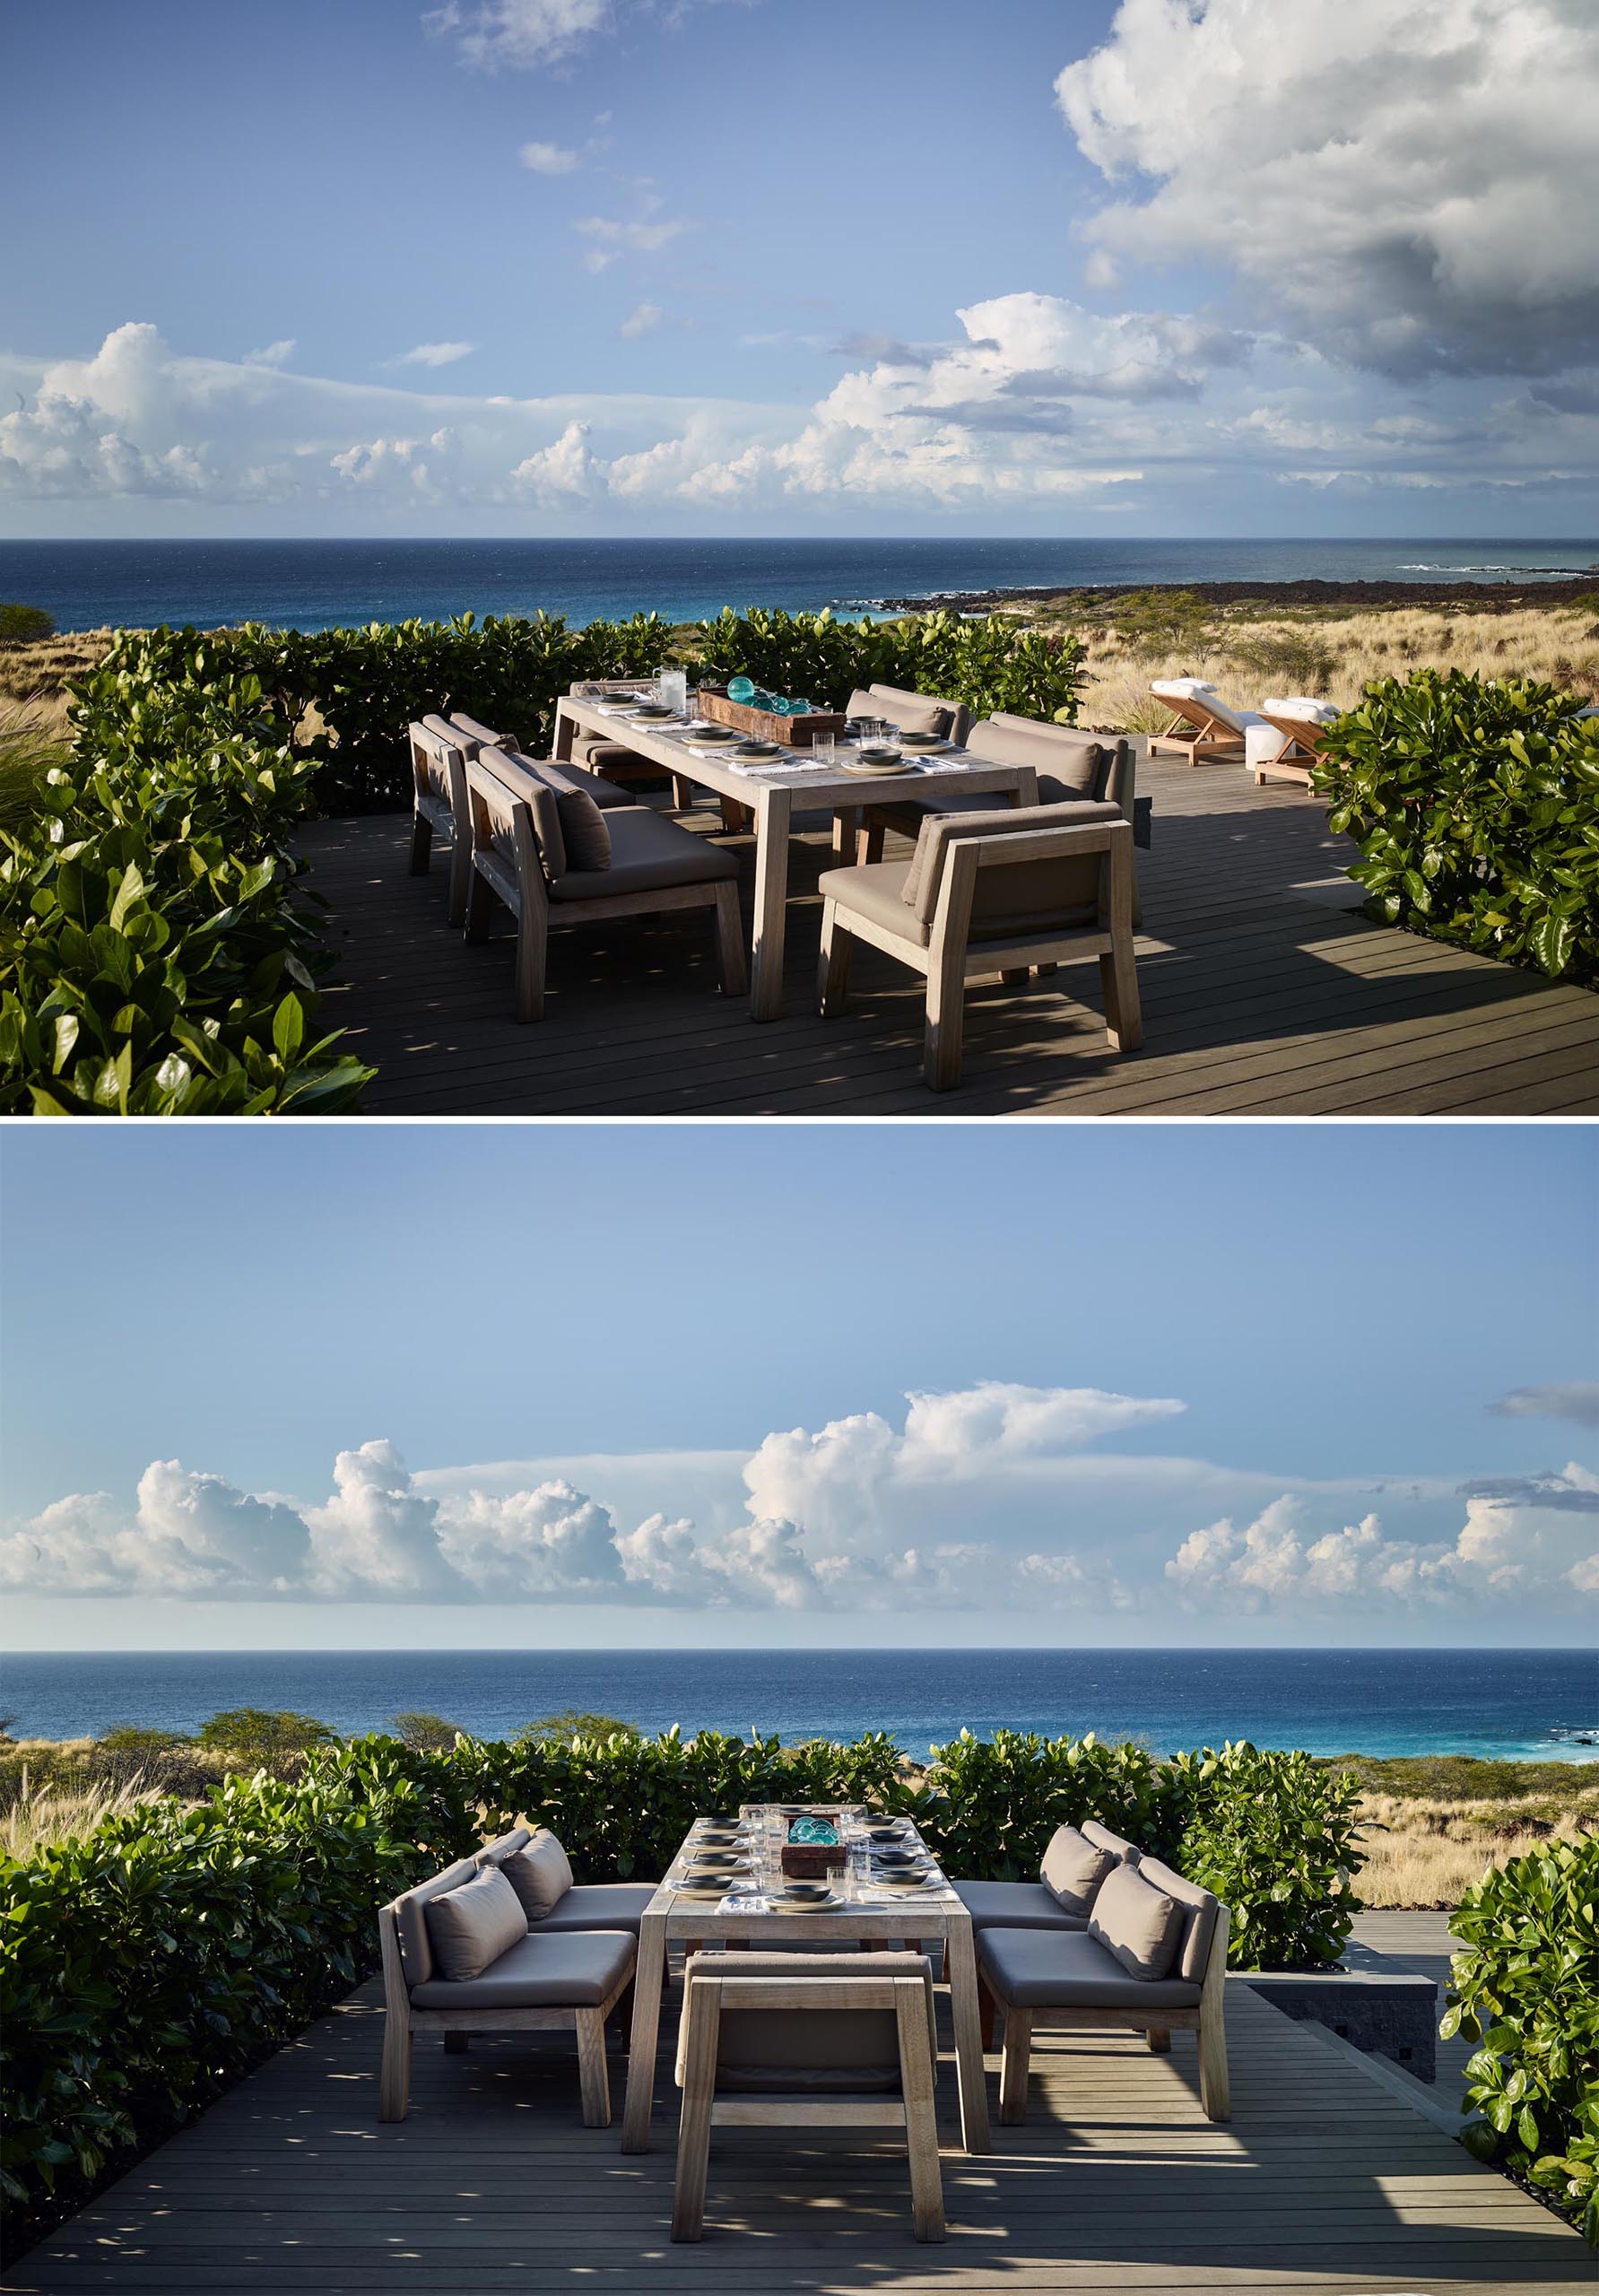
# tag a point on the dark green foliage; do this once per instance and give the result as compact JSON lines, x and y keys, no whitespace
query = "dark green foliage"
{"x":139,"y":1738}
{"x":262,"y":1730}
{"x":23,"y":625}
{"x":1476,"y":808}
{"x":1527,"y":1988}
{"x":152,"y":960}
{"x":1457,"y":1778}
{"x":1274,"y":1836}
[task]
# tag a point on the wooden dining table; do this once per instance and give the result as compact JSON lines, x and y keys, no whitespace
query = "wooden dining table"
{"x":773,"y":793}
{"x":867,"y":1910}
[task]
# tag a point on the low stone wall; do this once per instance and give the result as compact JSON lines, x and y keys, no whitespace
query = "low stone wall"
{"x":1393,"y":2016}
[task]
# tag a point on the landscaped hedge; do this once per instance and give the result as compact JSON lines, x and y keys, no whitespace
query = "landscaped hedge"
{"x":153,"y":958}
{"x":146,"y":1965}
{"x":1476,"y":808}
{"x":1527,"y":1988}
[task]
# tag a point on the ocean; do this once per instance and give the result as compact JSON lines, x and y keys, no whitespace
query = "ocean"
{"x":320,"y":585}
{"x":1507,"y":1703}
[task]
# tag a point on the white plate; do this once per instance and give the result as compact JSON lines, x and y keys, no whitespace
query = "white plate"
{"x":879,"y":772}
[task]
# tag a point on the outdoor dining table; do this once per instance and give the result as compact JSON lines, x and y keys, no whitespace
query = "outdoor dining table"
{"x":771,"y":791}
{"x":869,"y":1909}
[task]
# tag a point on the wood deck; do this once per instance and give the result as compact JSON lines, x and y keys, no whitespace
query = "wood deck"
{"x":1324,"y":2184}
{"x":1264,"y":995}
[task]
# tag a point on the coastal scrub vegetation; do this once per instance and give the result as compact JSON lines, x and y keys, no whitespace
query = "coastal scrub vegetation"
{"x":1527,"y":1988}
{"x":156,"y":957}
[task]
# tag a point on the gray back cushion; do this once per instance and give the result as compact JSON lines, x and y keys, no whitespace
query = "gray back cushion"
{"x":541,"y":1874}
{"x":820,"y":2049}
{"x":1199,"y":1910}
{"x":1128,"y":1852}
{"x":478,"y":731}
{"x":910,"y":713}
{"x":1071,"y":1869}
{"x":416,"y":1953}
{"x":1028,"y":892}
{"x":1142,"y":1925}
{"x":515,"y":774}
{"x":1075,"y":760}
{"x":504,"y":1846}
{"x":470,"y":1927}
{"x":889,"y":700}
{"x":586,"y":841}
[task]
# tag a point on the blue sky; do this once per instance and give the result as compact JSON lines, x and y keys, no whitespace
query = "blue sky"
{"x":570,"y":266}
{"x":1098,"y":1384}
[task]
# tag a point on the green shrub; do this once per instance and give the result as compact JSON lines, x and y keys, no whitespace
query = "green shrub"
{"x":24,"y":625}
{"x":1274,"y":1836}
{"x":422,"y":1732}
{"x":1476,"y":808}
{"x":149,"y":1963}
{"x":152,"y":959}
{"x":252,"y":1730}
{"x":1286,"y":661}
{"x":1527,"y":1988}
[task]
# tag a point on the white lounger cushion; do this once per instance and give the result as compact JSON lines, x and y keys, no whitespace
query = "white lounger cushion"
{"x":1300,"y":705}
{"x":1197,"y":690}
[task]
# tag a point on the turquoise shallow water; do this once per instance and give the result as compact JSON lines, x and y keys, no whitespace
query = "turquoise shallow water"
{"x":1488,"y":1702}
{"x":317,"y":584}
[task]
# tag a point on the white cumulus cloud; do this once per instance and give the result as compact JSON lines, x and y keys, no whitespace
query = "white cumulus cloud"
{"x":549,"y":159}
{"x":432,"y":354}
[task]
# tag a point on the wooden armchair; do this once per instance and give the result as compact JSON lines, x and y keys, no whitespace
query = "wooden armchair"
{"x":521,"y":857}
{"x":438,"y":758}
{"x":797,"y":2040}
{"x":992,"y":892}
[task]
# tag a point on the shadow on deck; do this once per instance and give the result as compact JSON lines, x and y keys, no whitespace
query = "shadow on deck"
{"x":1264,"y":993}
{"x":1322,"y":2185}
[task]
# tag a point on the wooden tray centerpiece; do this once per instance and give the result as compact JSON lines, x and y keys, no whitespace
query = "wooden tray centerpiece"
{"x":813,"y":1850}
{"x":766,"y":725}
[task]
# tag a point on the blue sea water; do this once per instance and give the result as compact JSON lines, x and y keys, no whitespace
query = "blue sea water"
{"x":1487,"y":1702}
{"x":317,"y":585}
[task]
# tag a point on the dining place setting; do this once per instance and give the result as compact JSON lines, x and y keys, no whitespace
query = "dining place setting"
{"x":789,"y":1861}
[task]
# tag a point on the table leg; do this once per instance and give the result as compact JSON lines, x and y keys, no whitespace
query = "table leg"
{"x":772,"y":901}
{"x":969,"y":2039}
{"x":649,"y":1979}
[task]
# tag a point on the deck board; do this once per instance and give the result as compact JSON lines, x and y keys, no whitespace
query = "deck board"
{"x":1264,"y":992}
{"x":1323,"y":2184}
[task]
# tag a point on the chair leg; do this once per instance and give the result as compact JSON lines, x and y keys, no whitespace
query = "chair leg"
{"x":1158,"y":2039}
{"x":838,"y":946}
{"x":730,"y":942}
{"x":456,"y":2044}
{"x":868,"y":842}
{"x":530,"y":969}
{"x":1215,"y":2089}
{"x":846,"y":829}
{"x":921,"y":2124}
{"x":461,"y":875}
{"x":421,"y":844}
{"x":735,"y":818}
{"x":683,"y":798}
{"x":1016,"y":978}
{"x":394,"y":2084}
{"x":594,"y":2081}
{"x":946,"y":1021}
{"x":1124,"y":1014}
{"x":1013,"y":2066}
{"x":479,"y":905}
{"x":988,"y":2010}
{"x":693,"y":2134}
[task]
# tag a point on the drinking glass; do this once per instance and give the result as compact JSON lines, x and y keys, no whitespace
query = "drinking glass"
{"x":672,"y":688}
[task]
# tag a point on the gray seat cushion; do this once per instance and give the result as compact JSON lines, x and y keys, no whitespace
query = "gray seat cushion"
{"x":647,"y":852}
{"x":584,"y":782}
{"x":599,"y":753}
{"x":574,"y":1971}
{"x":876,"y":889}
{"x":596,"y":1905}
{"x":1015,"y":1905}
{"x":1043,"y":1968}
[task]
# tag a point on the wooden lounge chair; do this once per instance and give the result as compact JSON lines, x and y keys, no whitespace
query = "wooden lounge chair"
{"x":439,"y":805}
{"x":571,"y":776}
{"x":992,"y":892}
{"x":1202,"y":726}
{"x":569,"y":1980}
{"x":1287,"y":745}
{"x":1154,"y":1957}
{"x":799,"y":2040}
{"x":521,"y":857}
